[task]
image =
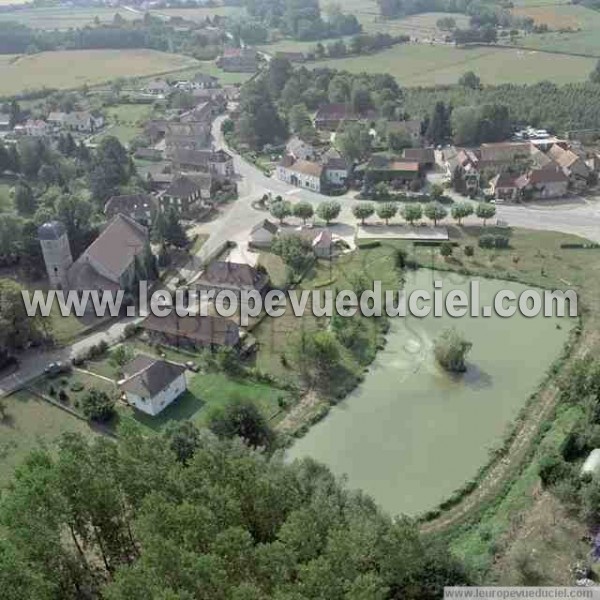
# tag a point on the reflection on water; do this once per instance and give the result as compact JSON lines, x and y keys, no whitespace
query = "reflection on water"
{"x":411,"y":433}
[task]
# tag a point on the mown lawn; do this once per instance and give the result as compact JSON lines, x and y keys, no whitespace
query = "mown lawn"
{"x":29,"y":422}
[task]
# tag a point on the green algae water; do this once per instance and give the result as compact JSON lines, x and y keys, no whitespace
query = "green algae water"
{"x":411,"y":433}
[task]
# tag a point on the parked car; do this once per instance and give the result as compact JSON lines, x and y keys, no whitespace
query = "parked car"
{"x":54,"y":369}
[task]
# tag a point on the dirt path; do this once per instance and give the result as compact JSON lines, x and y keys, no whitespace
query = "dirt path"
{"x":296,"y":416}
{"x":502,"y":469}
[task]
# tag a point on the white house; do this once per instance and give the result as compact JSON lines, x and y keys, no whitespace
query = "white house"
{"x":84,"y":121}
{"x":301,"y":173}
{"x":262,"y":235}
{"x":150,"y":384}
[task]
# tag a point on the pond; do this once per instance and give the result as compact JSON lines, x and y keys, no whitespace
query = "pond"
{"x":411,"y":434}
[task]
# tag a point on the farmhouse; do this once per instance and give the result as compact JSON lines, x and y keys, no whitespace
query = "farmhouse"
{"x":139,"y":207}
{"x":210,"y":331}
{"x":32,"y":128}
{"x":504,"y":152}
{"x":263,"y":234}
{"x":83,"y":121}
{"x":572,"y":165}
{"x":218,"y":163}
{"x":301,"y":173}
{"x":158,"y":87}
{"x":109,"y":262}
{"x":396,"y":170}
{"x":424,"y":156}
{"x":238,"y":60}
{"x":335,"y":168}
{"x":549,"y":182}
{"x":237,"y":277}
{"x":186,"y":136}
{"x":150,"y":384}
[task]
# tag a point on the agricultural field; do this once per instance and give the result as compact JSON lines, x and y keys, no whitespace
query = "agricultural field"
{"x":70,"y":69}
{"x":425,"y":65}
{"x":585,"y":40}
{"x":56,"y":17}
{"x":198,"y":13}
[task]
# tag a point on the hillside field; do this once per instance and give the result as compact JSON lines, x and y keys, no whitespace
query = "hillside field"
{"x":70,"y":69}
{"x":59,"y":17}
{"x":425,"y":65}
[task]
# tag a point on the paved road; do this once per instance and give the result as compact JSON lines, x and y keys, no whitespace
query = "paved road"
{"x":32,"y":363}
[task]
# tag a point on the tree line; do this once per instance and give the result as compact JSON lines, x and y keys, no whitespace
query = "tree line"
{"x":188,"y":514}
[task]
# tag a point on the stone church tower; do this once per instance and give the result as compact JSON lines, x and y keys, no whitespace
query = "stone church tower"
{"x":57,"y":252}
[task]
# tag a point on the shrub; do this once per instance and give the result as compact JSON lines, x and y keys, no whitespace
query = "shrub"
{"x":469,"y":251}
{"x":446,"y":249}
{"x":98,"y":406}
{"x":77,"y":386}
{"x":63,"y":396}
{"x":489,"y":240}
{"x":451,"y":350}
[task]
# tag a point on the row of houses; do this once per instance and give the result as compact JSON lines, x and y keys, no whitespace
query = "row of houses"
{"x":533,"y":169}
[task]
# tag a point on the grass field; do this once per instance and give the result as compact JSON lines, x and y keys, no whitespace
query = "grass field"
{"x":56,"y":17}
{"x":425,"y":65}
{"x":69,"y":69}
{"x":126,"y":121}
{"x":585,"y":41}
{"x":28,"y":423}
{"x":210,"y":68}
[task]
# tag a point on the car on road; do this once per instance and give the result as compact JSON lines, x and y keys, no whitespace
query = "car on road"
{"x":54,"y":369}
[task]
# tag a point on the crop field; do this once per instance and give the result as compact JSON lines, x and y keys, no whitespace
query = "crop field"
{"x":198,"y":13}
{"x":425,"y":65}
{"x":56,"y":17}
{"x":585,"y":41}
{"x":70,"y":69}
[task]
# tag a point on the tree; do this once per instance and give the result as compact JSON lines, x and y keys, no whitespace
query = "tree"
{"x":354,"y":141}
{"x":439,"y":129}
{"x":387,"y":211}
{"x":461,"y":210}
{"x":279,"y":71}
{"x":328,"y":211}
{"x":437,"y":192}
{"x":411,"y":212}
{"x":295,"y":251}
{"x":242,"y":418}
{"x":24,"y":200}
{"x":98,"y":406}
{"x":485,"y":211}
{"x":121,"y":355}
{"x":281,"y":209}
{"x":174,"y":233}
{"x":184,"y":439}
{"x":363,"y":211}
{"x":299,"y":118}
{"x":303,"y":210}
{"x":595,"y":74}
{"x":470,"y":80}
{"x":435,"y":212}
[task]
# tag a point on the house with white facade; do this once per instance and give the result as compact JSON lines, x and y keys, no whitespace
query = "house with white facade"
{"x":151,"y":384}
{"x":301,"y":173}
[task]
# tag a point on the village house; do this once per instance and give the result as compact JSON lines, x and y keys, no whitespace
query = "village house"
{"x":301,"y":173}
{"x":335,"y":168}
{"x":322,"y":244}
{"x":503,"y":187}
{"x":108,"y":264}
{"x":238,"y":60}
{"x":236,"y":277}
{"x":573,"y":166}
{"x":82,"y":121}
{"x":219,"y":163}
{"x":139,"y":207}
{"x":151,"y":384}
{"x":263,"y":234}
{"x":463,"y":162}
{"x":424,"y":156}
{"x":331,"y":116}
{"x":156,"y":129}
{"x":397,"y":171}
{"x":187,"y":192}
{"x":501,"y":153}
{"x":202,"y":113}
{"x":540,"y":184}
{"x":192,"y":332}
{"x":5,"y":122}
{"x":300,"y":149}
{"x":186,"y":136}
{"x":158,"y":87}
{"x":153,"y":154}
{"x":202,"y":81}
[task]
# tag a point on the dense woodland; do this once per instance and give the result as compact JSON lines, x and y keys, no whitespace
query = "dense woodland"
{"x":191,"y":516}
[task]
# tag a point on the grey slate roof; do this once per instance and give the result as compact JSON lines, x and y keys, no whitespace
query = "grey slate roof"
{"x":146,"y":376}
